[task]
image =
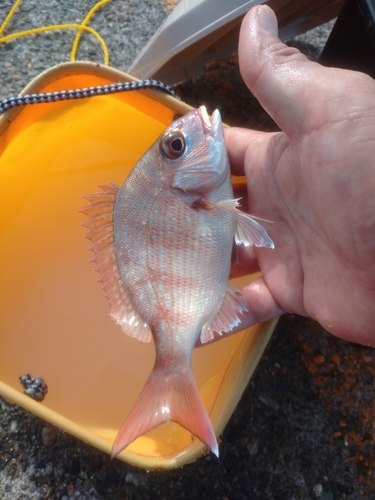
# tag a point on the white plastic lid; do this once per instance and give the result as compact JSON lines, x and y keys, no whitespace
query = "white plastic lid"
{"x":198,"y":31}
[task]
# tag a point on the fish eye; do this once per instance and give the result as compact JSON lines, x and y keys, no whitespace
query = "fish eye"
{"x":173,"y":144}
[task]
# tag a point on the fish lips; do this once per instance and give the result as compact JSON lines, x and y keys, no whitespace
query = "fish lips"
{"x":206,"y":166}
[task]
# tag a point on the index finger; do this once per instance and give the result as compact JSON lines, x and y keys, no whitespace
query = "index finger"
{"x":246,"y":144}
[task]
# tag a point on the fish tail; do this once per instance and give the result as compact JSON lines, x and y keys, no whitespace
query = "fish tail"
{"x":164,"y":399}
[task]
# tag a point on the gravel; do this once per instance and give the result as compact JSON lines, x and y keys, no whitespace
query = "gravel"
{"x":125,"y":26}
{"x":304,"y":427}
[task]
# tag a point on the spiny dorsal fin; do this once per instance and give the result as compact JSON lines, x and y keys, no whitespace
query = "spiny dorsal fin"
{"x":100,"y":223}
{"x":227,"y":317}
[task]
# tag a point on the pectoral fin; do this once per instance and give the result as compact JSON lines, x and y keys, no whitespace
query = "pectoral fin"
{"x":249,"y":231}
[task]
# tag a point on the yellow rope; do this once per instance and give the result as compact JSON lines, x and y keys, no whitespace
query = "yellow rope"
{"x":84,"y":22}
{"x":10,"y":15}
{"x":80,"y":27}
{"x":59,"y":27}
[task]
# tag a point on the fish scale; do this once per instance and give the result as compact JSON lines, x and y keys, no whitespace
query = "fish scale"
{"x":179,"y":231}
{"x":163,"y":244}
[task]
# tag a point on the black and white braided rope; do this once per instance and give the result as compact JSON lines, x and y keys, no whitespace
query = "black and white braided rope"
{"x":64,"y":95}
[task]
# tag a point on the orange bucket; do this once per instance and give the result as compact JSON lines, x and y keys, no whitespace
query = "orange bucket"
{"x":54,"y":320}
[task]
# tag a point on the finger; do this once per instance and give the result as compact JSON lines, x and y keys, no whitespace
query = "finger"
{"x":244,"y":262}
{"x":255,"y":155}
{"x":280,"y":77}
{"x":239,"y":141}
{"x":260,"y":303}
{"x":261,"y":306}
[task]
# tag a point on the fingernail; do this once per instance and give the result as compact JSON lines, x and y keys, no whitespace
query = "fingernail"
{"x":267,"y":20}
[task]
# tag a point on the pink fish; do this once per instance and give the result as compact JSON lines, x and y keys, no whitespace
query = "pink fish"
{"x":162,"y":245}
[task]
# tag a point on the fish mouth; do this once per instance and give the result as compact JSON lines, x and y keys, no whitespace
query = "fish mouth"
{"x":211,"y":125}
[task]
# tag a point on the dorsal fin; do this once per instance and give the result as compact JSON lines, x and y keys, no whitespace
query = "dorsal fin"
{"x":101,"y":225}
{"x":227,"y":317}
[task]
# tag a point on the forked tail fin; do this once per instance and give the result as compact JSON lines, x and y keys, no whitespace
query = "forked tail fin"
{"x":167,"y":398}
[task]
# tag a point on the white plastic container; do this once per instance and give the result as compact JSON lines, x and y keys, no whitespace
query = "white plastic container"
{"x":200,"y":31}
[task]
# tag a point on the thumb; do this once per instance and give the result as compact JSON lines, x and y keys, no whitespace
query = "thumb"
{"x":276,"y":74}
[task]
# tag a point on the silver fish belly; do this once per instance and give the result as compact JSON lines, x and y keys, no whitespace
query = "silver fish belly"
{"x":162,"y":245}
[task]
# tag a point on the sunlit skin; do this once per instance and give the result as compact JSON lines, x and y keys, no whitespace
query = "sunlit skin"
{"x":315,"y":180}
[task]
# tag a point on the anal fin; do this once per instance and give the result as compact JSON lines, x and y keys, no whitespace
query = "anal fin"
{"x":227,"y":317}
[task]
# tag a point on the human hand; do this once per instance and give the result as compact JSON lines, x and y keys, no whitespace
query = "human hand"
{"x":315,"y":180}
